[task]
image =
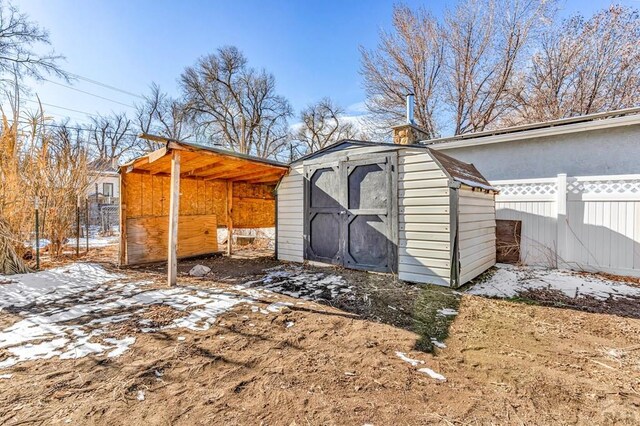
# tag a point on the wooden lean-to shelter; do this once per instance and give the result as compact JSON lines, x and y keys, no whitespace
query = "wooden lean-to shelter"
{"x":174,"y":199}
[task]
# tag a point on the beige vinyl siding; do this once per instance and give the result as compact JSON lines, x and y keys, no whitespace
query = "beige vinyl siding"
{"x":476,"y":232}
{"x":424,"y":246}
{"x":291,"y":216}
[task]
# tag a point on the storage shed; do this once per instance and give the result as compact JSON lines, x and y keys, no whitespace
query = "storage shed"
{"x":174,"y":199}
{"x":395,"y":208}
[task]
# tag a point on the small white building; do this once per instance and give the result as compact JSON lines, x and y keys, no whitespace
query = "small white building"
{"x":104,"y":186}
{"x":397,"y":208}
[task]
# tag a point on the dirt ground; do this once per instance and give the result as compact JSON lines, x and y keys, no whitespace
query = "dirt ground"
{"x":335,"y":363}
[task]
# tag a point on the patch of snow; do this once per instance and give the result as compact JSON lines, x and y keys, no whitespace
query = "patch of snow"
{"x":405,"y":358}
{"x":140,"y":395}
{"x":98,"y":241}
{"x":508,"y":281}
{"x":429,"y":372}
{"x":447,"y":312}
{"x":475,"y":183}
{"x":121,"y":345}
{"x":5,"y":376}
{"x":53,"y":285}
{"x":289,"y":324}
{"x":297,"y":282}
{"x":438,"y":344}
{"x":43,"y":243}
{"x":65,"y":311}
{"x":278,"y":306}
{"x":181,"y":338}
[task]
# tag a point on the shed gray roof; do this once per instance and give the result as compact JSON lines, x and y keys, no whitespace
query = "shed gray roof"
{"x":459,"y":171}
{"x":464,"y":173}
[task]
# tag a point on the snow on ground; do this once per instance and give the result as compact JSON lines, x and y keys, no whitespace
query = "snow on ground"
{"x":66,"y":312}
{"x":429,"y":372}
{"x":98,"y":241}
{"x":509,"y":280}
{"x":296,"y":282}
{"x":416,"y":362}
{"x":405,"y":358}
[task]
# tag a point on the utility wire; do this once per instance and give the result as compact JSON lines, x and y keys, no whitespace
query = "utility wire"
{"x":59,"y":126}
{"x":90,"y":94}
{"x":61,"y":107}
{"x":108,"y":86}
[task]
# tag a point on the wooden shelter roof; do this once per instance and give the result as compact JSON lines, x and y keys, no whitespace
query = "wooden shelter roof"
{"x":206,"y":163}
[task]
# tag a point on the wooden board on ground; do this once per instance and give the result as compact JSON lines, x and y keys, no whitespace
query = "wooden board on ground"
{"x":147,"y":237}
{"x":508,"y":233}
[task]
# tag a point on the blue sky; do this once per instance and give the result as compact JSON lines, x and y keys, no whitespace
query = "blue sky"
{"x":310,"y":46}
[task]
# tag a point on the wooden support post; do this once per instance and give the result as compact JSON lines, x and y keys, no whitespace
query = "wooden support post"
{"x":229,"y":217}
{"x":123,"y":218}
{"x":174,"y":212}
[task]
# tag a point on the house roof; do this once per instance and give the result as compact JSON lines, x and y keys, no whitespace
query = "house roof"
{"x":623,"y":117}
{"x":103,"y":165}
{"x":457,"y":170}
{"x":206,"y":163}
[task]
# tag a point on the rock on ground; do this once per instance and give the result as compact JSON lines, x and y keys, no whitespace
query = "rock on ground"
{"x":199,"y":271}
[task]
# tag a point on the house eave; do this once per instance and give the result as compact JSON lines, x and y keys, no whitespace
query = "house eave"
{"x":475,"y":140}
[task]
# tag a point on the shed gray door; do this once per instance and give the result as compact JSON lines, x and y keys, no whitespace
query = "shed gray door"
{"x":323,"y":214}
{"x":350,"y":213}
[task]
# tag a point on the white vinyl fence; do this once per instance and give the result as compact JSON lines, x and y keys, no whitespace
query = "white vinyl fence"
{"x":585,"y":223}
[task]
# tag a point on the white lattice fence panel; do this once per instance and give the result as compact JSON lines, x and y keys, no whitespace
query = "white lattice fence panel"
{"x":533,"y":203}
{"x":604,"y":187}
{"x":527,"y":190}
{"x":602,"y":220}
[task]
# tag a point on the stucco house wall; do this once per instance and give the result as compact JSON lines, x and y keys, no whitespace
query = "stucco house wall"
{"x":611,"y":151}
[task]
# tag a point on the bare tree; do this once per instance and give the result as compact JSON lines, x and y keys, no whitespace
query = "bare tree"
{"x":486,"y":42}
{"x":408,"y":60}
{"x":47,"y":162}
{"x":583,"y":67}
{"x":112,"y":137}
{"x":66,"y":179}
{"x":468,"y":62}
{"x":21,"y":41}
{"x":323,"y":124}
{"x":234,"y":105}
{"x":160,"y":114}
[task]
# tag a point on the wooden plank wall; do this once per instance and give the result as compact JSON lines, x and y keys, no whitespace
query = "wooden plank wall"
{"x":147,"y":237}
{"x":146,"y":206}
{"x":424,"y":252}
{"x":476,"y":232}
{"x":253,"y":204}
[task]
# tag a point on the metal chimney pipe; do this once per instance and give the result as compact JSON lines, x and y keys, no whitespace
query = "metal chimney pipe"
{"x":410,"y":119}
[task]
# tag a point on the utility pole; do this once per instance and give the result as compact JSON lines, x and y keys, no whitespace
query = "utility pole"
{"x":78,"y":227}
{"x":86,"y":222}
